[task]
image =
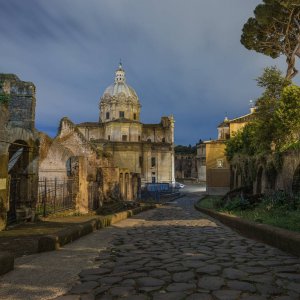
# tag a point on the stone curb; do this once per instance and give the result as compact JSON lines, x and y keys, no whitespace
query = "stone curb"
{"x":6,"y":262}
{"x":280,"y":238}
{"x":70,"y":234}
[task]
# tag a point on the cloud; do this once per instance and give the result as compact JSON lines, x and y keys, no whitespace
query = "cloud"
{"x":182,"y":57}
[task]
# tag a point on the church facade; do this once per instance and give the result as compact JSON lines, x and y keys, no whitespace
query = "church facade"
{"x":143,"y":152}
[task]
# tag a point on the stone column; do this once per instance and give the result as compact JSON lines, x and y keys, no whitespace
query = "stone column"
{"x":82,"y":198}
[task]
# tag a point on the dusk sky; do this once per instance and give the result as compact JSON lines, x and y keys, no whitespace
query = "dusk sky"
{"x":181,"y":57}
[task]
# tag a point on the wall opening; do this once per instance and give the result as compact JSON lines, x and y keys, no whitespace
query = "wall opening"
{"x":19,"y":181}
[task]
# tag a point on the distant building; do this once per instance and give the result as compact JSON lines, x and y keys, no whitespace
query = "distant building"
{"x":186,"y":163}
{"x":139,"y":153}
{"x":145,"y":151}
{"x":212,"y":162}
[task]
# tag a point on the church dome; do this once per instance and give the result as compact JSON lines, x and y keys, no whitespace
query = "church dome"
{"x":118,"y":88}
{"x":119,"y":100}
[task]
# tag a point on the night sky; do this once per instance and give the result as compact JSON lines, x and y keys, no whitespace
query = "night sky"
{"x":181,"y":57}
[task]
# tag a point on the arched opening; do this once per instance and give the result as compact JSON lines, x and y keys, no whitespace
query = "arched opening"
{"x":19,"y":185}
{"x":95,"y":191}
{"x":126,"y":186}
{"x":259,"y":181}
{"x":121,"y":180}
{"x":231,"y":178}
{"x":296,"y":181}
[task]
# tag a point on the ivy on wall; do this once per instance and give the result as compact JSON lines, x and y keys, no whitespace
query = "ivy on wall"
{"x":4,"y":97}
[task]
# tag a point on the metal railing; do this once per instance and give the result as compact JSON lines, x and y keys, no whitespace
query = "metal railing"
{"x":157,"y":191}
{"x":55,"y":195}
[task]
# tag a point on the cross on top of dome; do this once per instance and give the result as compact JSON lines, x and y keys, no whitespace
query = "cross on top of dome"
{"x":120,"y":74}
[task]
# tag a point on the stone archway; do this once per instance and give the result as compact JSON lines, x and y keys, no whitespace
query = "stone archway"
{"x":19,"y":181}
{"x":296,"y":181}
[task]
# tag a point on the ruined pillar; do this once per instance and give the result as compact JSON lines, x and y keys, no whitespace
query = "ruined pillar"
{"x":82,"y":197}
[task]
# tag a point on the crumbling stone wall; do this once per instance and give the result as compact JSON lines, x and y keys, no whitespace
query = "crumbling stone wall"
{"x":3,"y":166}
{"x":290,"y":163}
{"x":17,"y":121}
{"x":95,"y":170}
{"x":22,"y":101}
{"x":266,"y":180}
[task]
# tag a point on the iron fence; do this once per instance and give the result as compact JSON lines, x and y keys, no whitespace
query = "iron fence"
{"x":55,"y":195}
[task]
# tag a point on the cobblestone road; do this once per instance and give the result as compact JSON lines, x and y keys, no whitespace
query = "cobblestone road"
{"x":178,"y":253}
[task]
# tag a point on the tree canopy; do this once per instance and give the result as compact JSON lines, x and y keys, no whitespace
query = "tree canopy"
{"x":180,"y":149}
{"x":275,"y":30}
{"x":276,"y":125}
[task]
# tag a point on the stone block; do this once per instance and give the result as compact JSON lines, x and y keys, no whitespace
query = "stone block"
{"x":6,"y":262}
{"x":48,"y":243}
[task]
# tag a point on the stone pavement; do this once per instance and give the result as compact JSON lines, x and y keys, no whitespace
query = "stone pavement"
{"x":176,"y":252}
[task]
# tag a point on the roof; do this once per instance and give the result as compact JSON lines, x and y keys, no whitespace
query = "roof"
{"x":122,"y":120}
{"x":119,"y":87}
{"x":90,"y":124}
{"x":241,"y":119}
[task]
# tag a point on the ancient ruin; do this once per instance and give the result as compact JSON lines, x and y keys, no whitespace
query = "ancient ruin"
{"x":18,"y":150}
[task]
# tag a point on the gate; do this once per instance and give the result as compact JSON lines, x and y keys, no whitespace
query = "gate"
{"x":55,"y":196}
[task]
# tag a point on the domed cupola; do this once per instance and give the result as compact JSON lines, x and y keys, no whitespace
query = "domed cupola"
{"x":119,"y":100}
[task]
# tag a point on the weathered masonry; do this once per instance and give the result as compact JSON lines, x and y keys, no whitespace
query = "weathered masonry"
{"x":18,"y":150}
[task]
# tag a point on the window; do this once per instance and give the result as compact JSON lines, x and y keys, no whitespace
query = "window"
{"x":153,"y":161}
{"x":163,"y":140}
{"x":107,"y":115}
{"x":141,"y":161}
{"x":124,"y":138}
{"x":149,"y":140}
{"x":153,"y":179}
{"x":139,"y":138}
{"x":69,"y":167}
{"x":134,"y":116}
{"x":203,"y":161}
{"x":108,"y":137}
{"x":121,"y":114}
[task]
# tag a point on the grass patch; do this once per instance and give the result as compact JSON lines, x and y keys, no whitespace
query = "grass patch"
{"x":209,"y":202}
{"x":286,"y":219}
{"x":280,"y":216}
